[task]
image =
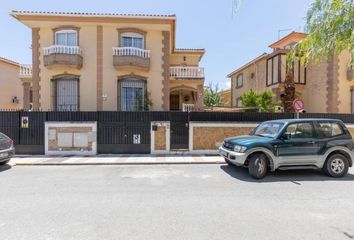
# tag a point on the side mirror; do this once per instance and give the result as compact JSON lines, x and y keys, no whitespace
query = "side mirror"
{"x":286,"y":136}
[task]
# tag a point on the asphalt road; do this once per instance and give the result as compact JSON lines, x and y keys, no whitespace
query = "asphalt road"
{"x":172,"y":202}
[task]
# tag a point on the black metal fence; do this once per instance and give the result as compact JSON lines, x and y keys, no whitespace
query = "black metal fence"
{"x":116,"y":129}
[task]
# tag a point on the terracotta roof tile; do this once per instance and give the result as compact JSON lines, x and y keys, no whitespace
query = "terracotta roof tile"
{"x":87,"y":14}
{"x":9,"y":61}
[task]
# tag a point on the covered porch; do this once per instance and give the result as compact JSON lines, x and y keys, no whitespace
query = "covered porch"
{"x":186,"y":99}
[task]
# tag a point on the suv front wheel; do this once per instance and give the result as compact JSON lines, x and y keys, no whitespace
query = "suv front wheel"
{"x":258,"y":166}
{"x":336,"y":165}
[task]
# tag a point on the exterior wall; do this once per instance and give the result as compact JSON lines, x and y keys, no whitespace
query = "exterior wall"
{"x":10,"y":86}
{"x":71,"y":138}
{"x":257,"y":83}
{"x":344,"y":85}
{"x":154,"y":75}
{"x":89,"y":75}
{"x":207,"y":137}
{"x":160,"y":137}
{"x":226,"y":95}
{"x":184,"y":59}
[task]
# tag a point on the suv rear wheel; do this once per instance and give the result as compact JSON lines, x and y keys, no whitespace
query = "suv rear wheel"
{"x":258,"y":165}
{"x":336,"y":165}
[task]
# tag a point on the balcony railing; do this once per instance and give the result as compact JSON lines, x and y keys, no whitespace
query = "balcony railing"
{"x":131,"y":51}
{"x":131,"y":57}
{"x":25,"y":71}
{"x":188,"y":107}
{"x":62,"y":49}
{"x":64,"y":56}
{"x":187,"y":72}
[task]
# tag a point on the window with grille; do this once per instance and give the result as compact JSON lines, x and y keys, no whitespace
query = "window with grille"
{"x":132,"y":95}
{"x":66,"y":94}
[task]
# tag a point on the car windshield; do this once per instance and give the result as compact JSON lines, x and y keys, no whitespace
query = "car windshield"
{"x":268,"y":129}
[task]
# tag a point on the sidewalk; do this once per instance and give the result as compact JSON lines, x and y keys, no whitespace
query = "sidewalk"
{"x":121,"y":159}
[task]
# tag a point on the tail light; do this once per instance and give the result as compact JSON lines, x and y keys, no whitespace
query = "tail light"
{"x":10,"y":141}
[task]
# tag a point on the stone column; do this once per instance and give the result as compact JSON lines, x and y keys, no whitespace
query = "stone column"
{"x":199,"y":104}
{"x":26,"y":95}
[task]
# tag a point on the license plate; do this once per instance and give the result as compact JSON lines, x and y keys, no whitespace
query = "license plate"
{"x":2,"y":155}
{"x":223,"y":153}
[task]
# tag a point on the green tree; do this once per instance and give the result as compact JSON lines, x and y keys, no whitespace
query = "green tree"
{"x":330,"y":28}
{"x":212,"y":97}
{"x":262,"y":102}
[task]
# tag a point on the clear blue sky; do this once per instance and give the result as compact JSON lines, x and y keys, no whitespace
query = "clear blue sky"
{"x":230,"y":39}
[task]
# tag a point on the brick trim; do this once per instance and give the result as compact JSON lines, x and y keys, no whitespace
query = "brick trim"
{"x":133,"y":30}
{"x":99,"y":84}
{"x":332,"y":84}
{"x":36,"y":69}
{"x":26,"y":94}
{"x":165,"y":70}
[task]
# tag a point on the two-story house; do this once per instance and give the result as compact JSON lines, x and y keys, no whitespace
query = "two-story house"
{"x":326,"y":86}
{"x":111,"y":62}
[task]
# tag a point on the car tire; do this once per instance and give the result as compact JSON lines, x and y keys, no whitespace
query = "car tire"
{"x":258,"y":166}
{"x":336,"y":165}
{"x":3,"y":163}
{"x":228,"y":162}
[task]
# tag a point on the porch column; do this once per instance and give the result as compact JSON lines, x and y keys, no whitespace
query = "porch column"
{"x":199,"y":104}
{"x":26,"y":95}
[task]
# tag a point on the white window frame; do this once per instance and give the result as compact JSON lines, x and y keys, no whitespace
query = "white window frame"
{"x":66,"y":32}
{"x":132,"y":35}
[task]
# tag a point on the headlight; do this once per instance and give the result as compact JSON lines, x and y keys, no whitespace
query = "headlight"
{"x":240,"y":149}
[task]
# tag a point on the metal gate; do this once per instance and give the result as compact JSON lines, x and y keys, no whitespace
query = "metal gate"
{"x":179,"y":130}
{"x":124,"y":132}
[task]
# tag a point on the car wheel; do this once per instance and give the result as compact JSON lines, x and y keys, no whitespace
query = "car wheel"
{"x":228,"y":162}
{"x":258,"y":166}
{"x":336,"y":165}
{"x":3,"y":163}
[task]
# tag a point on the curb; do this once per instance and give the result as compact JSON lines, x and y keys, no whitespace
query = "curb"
{"x":114,"y":164}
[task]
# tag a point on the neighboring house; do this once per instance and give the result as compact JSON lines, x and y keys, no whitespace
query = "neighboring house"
{"x":226,"y":96}
{"x":14,"y":85}
{"x":326,"y":86}
{"x":111,"y":62}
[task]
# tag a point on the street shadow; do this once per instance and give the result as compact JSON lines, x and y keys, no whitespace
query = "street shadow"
{"x":295,"y":176}
{"x":5,"y":167}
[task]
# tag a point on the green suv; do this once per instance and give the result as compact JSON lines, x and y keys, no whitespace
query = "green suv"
{"x":292,"y":144}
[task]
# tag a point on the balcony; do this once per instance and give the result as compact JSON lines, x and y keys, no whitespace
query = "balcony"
{"x":194,"y":73}
{"x":131,"y":56}
{"x":25,"y":71}
{"x":63,"y":56}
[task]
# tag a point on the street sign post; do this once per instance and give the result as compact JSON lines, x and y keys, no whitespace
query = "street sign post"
{"x":298,"y":106}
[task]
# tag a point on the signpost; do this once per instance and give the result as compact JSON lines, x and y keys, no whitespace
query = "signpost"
{"x":298,"y":106}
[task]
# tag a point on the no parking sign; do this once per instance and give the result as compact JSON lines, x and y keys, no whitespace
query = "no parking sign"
{"x":298,"y":105}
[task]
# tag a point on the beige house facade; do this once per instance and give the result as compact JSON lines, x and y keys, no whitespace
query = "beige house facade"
{"x":327,"y":86}
{"x":111,"y":62}
{"x":15,"y":86}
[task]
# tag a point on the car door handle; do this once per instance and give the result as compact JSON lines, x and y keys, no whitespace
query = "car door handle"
{"x":311,"y":142}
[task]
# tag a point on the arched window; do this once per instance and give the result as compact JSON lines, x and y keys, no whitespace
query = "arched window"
{"x":132,"y":39}
{"x":66,"y":38}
